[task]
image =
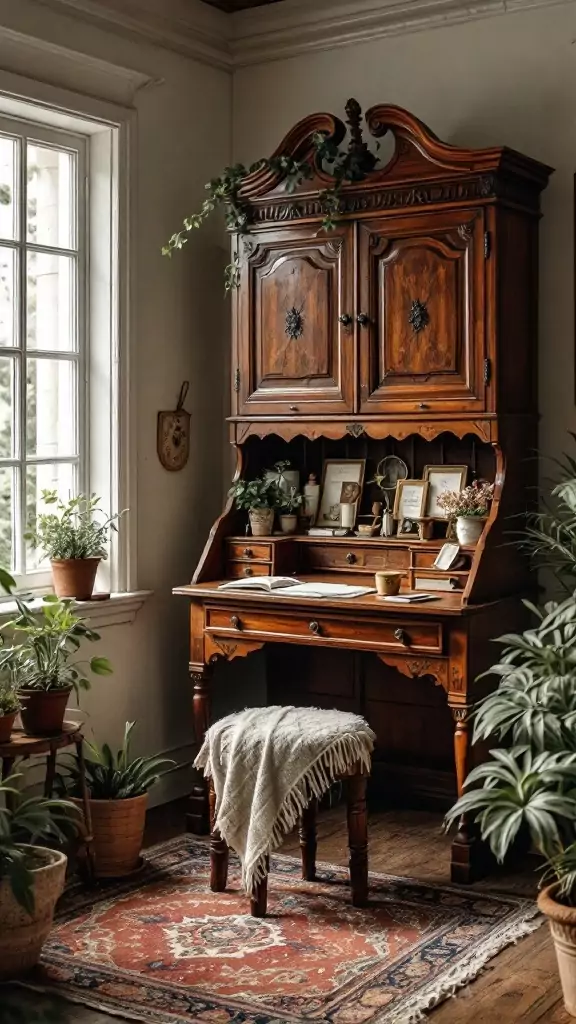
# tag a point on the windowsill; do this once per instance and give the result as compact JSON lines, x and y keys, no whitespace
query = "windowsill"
{"x":115,"y":610}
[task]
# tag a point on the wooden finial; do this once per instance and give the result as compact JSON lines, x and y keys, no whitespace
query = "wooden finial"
{"x":364,"y":159}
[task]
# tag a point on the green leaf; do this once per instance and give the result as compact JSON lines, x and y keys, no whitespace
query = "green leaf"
{"x":101,"y":667}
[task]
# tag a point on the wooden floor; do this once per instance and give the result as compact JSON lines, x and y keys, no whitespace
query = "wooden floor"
{"x":521,"y":984}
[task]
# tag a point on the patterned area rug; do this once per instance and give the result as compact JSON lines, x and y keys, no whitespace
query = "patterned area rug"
{"x":163,"y":949}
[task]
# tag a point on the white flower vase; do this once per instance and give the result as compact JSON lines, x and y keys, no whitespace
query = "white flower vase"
{"x":469,"y":529}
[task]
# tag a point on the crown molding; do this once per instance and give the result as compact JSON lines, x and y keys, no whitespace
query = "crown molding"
{"x":297,"y":27}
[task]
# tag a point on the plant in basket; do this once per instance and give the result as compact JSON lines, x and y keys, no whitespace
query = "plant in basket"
{"x":40,"y":662}
{"x":31,"y":875}
{"x":259,"y":498}
{"x":75,"y":539}
{"x":118,"y":786}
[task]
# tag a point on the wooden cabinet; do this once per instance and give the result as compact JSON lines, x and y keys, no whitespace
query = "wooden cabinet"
{"x":295,"y":342}
{"x":422,"y":331}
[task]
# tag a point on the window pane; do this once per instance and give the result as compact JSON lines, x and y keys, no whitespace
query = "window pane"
{"x":8,"y":204}
{"x":8,"y":317}
{"x":51,"y":407}
{"x":60,"y":478}
{"x":7,"y":492}
{"x":50,"y":302}
{"x":7,"y":391}
{"x":50,"y":199}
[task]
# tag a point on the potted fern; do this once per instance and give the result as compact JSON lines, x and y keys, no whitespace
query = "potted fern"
{"x":118,"y":785}
{"x":75,"y":541}
{"x":31,"y":875}
{"x":528,"y":785}
{"x":40,"y":662}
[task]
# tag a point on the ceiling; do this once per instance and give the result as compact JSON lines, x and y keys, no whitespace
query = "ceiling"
{"x":238,"y":5}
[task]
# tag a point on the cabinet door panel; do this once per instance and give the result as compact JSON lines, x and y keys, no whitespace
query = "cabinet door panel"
{"x":295,"y":356}
{"x":421,"y":284}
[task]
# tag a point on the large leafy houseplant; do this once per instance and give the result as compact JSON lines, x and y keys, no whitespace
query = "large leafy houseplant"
{"x":118,"y":785}
{"x":31,"y":875}
{"x":74,"y":535}
{"x":528,"y":785}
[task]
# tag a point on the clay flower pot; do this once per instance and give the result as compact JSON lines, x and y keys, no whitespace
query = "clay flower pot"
{"x":261,"y":521}
{"x":6,"y":726}
{"x":43,"y":710}
{"x":562,"y":920}
{"x":74,"y":577}
{"x":118,"y":833}
{"x":21,"y":935}
{"x":288,"y":523}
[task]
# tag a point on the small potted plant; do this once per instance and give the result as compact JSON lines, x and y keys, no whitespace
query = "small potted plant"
{"x":41,"y":666}
{"x":118,"y":785}
{"x":469,"y":508}
{"x":74,"y":540}
{"x":31,"y":876}
{"x":288,"y":505}
{"x":259,"y":498}
{"x":9,"y":708}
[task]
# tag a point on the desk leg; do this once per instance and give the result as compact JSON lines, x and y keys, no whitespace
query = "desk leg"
{"x":468,"y":860}
{"x":198,"y":817}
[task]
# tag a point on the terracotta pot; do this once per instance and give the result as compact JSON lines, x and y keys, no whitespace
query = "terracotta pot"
{"x":21,"y":935}
{"x":562,"y":922}
{"x":43,"y":710}
{"x":6,"y":726}
{"x":74,"y":577}
{"x":261,"y":521}
{"x":469,"y":529}
{"x":288,"y":523}
{"x":118,"y":832}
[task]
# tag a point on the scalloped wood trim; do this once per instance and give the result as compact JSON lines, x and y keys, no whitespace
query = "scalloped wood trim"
{"x":485,"y":429}
{"x":229,"y":648}
{"x":415,"y":667}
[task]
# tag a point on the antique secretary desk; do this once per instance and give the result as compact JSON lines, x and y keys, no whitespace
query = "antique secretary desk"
{"x":451,"y":234}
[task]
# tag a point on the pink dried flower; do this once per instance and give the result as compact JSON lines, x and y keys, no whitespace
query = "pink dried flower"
{"x":472,"y":501}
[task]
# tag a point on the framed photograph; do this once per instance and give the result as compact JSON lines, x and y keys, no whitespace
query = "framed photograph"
{"x":440,"y":479}
{"x":338,"y":477}
{"x":408,"y":528}
{"x":410,"y":499}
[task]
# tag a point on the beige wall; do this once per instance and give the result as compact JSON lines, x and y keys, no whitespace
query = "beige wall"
{"x":183,"y":130}
{"x":503,"y":80}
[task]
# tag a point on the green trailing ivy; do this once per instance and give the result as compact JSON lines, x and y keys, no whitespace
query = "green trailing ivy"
{"x":225,"y":191}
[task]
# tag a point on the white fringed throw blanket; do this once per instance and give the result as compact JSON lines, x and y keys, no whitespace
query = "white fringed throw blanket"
{"x":267,"y":763}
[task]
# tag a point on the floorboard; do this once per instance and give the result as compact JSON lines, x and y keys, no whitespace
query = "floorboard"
{"x":519,"y":985}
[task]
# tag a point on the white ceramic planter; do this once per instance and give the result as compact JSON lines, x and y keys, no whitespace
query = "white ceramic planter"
{"x":288,"y":523}
{"x":562,"y":922}
{"x":469,"y":529}
{"x":261,"y":521}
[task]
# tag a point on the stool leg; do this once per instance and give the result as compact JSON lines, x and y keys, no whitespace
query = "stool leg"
{"x":50,"y":774}
{"x":358,"y":839}
{"x":259,"y":897}
{"x":7,"y":767}
{"x":89,"y":867}
{"x":307,"y":833}
{"x":218,"y":849}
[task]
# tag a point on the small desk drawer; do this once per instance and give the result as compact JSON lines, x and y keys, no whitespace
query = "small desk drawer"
{"x":248,"y":550}
{"x":238,"y":570}
{"x":369,"y":559}
{"x":328,"y":630}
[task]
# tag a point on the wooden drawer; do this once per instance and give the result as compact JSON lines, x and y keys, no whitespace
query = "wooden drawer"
{"x":329,"y":630}
{"x":237,"y":570}
{"x":367,"y":559}
{"x":249,"y":550}
{"x":424,"y":559}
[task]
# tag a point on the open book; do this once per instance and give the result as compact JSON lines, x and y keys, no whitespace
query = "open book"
{"x":289,"y":587}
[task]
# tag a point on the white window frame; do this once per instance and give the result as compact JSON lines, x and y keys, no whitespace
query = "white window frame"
{"x":32,"y":132}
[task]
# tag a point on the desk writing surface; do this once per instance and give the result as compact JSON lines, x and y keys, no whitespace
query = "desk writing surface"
{"x":444,"y":604}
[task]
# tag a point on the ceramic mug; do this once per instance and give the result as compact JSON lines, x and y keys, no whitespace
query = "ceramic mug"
{"x":388,"y":582}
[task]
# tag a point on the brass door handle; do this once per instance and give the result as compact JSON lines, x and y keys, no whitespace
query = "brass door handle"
{"x":350,"y":558}
{"x":315,"y":628}
{"x":345,"y":319}
{"x":248,"y":553}
{"x":363,"y":319}
{"x":235,"y":622}
{"x":402,"y":636}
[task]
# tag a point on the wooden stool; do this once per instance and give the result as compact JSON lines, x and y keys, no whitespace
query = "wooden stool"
{"x":24,"y":746}
{"x":357,"y":841}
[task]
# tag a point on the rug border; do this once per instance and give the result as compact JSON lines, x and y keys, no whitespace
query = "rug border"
{"x":527,"y":920}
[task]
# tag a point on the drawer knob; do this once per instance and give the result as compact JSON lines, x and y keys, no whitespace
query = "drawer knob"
{"x":235,"y":622}
{"x":363,"y":319}
{"x":248,"y":552}
{"x":402,"y":636}
{"x":350,"y":558}
{"x":248,"y":571}
{"x":345,"y":319}
{"x":315,"y":628}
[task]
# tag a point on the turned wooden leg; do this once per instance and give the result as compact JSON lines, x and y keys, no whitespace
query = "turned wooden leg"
{"x":218,"y":848}
{"x":50,"y":774}
{"x":358,"y":839}
{"x":7,"y":767}
{"x":469,"y":859}
{"x":307,"y":833}
{"x":89,"y":865}
{"x":259,"y":897}
{"x":198,"y":817}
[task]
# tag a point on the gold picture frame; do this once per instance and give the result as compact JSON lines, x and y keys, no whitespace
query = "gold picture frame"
{"x":335,"y":473}
{"x":410,"y":499}
{"x":441,"y":479}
